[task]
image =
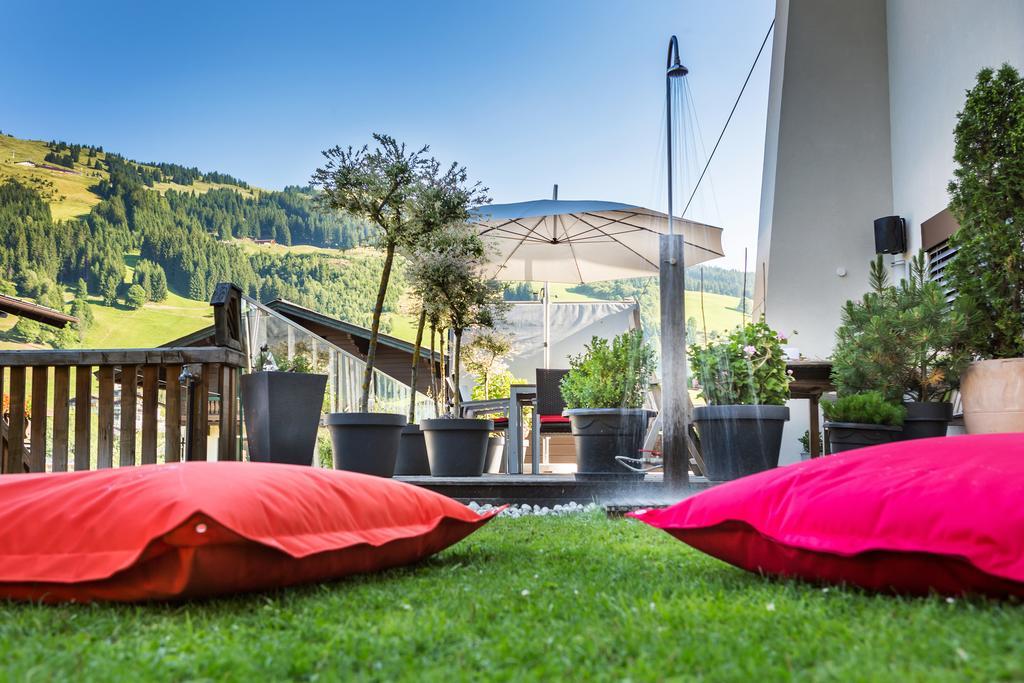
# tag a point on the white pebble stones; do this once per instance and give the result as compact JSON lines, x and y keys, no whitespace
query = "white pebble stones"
{"x":534,"y":510}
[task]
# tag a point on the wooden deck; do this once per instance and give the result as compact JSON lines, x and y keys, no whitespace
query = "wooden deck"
{"x":553,"y":489}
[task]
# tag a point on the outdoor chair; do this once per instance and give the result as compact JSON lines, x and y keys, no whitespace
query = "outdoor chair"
{"x":550,"y":403}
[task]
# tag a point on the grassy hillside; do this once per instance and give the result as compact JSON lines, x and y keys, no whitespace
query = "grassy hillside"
{"x":152,"y":325}
{"x":71,"y":193}
{"x":67,"y":191}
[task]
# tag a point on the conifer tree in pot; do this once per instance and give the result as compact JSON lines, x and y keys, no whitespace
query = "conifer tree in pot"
{"x":404,"y":195}
{"x":604,"y":393}
{"x":743,"y":380}
{"x":906,"y":343}
{"x":987,"y":271}
{"x":448,"y":277}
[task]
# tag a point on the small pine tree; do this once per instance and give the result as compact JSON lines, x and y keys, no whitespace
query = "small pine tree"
{"x":135,"y":297}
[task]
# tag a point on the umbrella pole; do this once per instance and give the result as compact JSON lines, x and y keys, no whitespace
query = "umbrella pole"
{"x":547,"y":325}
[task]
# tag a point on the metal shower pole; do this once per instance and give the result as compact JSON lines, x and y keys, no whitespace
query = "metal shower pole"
{"x":672,"y":281}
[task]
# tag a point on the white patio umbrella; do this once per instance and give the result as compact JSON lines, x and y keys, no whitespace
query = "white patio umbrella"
{"x":551,"y":240}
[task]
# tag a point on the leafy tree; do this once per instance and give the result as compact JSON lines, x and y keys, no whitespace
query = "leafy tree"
{"x":519,"y":291}
{"x":135,"y":298}
{"x":81,"y":289}
{"x":987,"y":198}
{"x":398,"y":191}
{"x":484,"y":356}
{"x":81,"y":309}
{"x":448,"y":278}
{"x":26,"y":331}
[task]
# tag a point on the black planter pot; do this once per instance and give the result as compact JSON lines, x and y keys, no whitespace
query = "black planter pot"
{"x":412,"y":453}
{"x":847,"y":436}
{"x":495,"y":463}
{"x":282,"y":412}
{"x":456,"y":447}
{"x":365,"y":442}
{"x":926,"y":419}
{"x":601,"y":434}
{"x":739,"y":440}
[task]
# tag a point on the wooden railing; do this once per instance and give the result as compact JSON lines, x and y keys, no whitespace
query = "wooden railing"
{"x":31,"y":439}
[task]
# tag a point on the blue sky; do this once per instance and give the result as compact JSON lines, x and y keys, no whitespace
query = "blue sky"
{"x":525,"y":94}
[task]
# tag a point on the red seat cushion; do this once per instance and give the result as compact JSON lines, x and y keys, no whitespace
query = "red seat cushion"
{"x":500,"y":422}
{"x":943,"y":515}
{"x":553,"y":419}
{"x":210,"y":528}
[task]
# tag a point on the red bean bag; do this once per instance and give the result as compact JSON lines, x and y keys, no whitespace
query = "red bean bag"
{"x":188,"y":530}
{"x":943,"y":515}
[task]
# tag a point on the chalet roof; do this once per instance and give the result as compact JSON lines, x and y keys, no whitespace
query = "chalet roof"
{"x":300,"y":314}
{"x":295,"y":312}
{"x":10,"y":305}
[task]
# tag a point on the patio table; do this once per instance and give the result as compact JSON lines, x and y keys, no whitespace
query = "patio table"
{"x":521,"y":395}
{"x":811,"y":379}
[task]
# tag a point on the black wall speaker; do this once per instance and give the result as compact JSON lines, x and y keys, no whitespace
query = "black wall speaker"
{"x":890,"y":235}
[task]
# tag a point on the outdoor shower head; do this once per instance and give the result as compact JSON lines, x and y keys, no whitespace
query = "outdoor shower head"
{"x":673,"y":67}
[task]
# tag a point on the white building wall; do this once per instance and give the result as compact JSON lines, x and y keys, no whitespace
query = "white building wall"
{"x":936,"y":48}
{"x":827,"y":172}
{"x":862,"y":105}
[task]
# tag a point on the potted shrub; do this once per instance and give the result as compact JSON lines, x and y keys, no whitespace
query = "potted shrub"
{"x":805,"y":445}
{"x":448,"y":277}
{"x":905,"y":342}
{"x":404,"y":195}
{"x":281,"y":407}
{"x":987,"y":270}
{"x":604,"y":392}
{"x":859,"y":420}
{"x":743,"y":380}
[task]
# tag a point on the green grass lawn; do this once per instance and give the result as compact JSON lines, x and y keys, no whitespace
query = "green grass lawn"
{"x":530,"y":599}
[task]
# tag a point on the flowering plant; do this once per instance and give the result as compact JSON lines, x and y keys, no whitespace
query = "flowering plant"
{"x":748,"y":367}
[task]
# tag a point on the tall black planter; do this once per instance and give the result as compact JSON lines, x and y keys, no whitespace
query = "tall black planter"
{"x":456,"y":447}
{"x":365,"y":442}
{"x":412,"y":453}
{"x":739,"y":440}
{"x":282,"y":411}
{"x":601,"y":434}
{"x":848,"y":436}
{"x":926,"y":420}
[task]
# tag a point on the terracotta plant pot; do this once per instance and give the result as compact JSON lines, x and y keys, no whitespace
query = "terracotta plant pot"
{"x":993,"y":396}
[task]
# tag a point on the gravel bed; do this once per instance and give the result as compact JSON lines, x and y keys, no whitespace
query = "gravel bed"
{"x":572,"y":508}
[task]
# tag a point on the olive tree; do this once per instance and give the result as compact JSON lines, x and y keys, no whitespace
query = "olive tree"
{"x":448,"y":278}
{"x":404,"y":194}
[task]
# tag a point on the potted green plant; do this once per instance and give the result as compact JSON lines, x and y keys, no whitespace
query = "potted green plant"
{"x":987,"y":270}
{"x":448,"y":276}
{"x":281,"y":404}
{"x":604,"y":393}
{"x":404,"y":195}
{"x":805,"y":445}
{"x":743,"y":380}
{"x":905,"y":342}
{"x":859,"y":420}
